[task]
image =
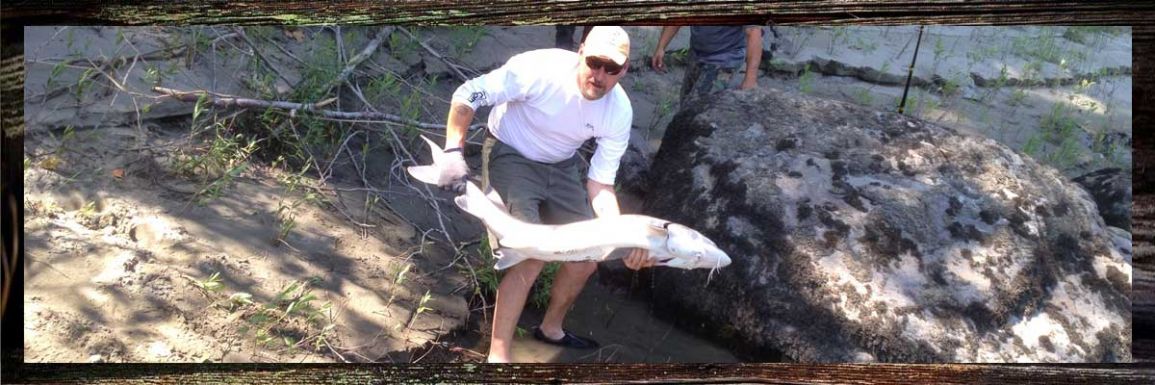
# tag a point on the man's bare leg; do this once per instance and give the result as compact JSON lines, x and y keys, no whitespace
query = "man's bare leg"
{"x":568,"y":283}
{"x":512,"y":293}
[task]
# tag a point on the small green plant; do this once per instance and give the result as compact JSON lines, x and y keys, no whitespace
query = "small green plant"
{"x":289,"y":320}
{"x":421,"y":308}
{"x":540,"y":296}
{"x":1033,"y":145}
{"x":1060,"y":124}
{"x":840,"y":33}
{"x":864,"y":97}
{"x":52,"y":75}
{"x":487,"y":277}
{"x":84,"y":83}
{"x":381,"y":87}
{"x":1067,"y":153}
{"x":1084,"y":85}
{"x":930,"y":103}
{"x":777,"y":64}
{"x":806,"y":81}
{"x":402,"y":46}
{"x":1018,"y":96}
{"x":1044,"y":47}
{"x":465,"y":38}
{"x":286,"y":219}
{"x":680,"y":55}
{"x":663,"y":108}
{"x":151,"y":75}
{"x":1112,"y":151}
{"x":88,"y":211}
{"x":1033,"y":72}
{"x":939,"y":49}
{"x":211,"y":284}
{"x":400,"y":278}
{"x":218,"y":161}
{"x":1004,"y":77}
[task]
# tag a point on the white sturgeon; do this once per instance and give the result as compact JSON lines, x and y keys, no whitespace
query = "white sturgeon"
{"x":672,"y":244}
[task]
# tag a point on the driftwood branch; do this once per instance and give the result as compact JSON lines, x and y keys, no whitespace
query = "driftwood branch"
{"x":225,"y":101}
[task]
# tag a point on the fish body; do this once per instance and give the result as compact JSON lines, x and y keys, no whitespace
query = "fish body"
{"x":672,"y":244}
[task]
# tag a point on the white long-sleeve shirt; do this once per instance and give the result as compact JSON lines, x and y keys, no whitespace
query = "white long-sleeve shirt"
{"x":540,"y":111}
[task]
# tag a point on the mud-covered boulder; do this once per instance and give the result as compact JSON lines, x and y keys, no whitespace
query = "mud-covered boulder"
{"x":1111,"y":190}
{"x":859,"y":235}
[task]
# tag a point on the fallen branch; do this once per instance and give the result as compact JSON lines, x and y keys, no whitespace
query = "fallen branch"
{"x":225,"y":101}
{"x":159,"y":54}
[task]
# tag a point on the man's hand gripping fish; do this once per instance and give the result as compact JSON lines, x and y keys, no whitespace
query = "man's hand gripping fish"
{"x":671,"y":244}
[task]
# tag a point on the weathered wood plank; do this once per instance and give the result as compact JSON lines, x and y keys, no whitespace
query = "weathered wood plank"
{"x":591,"y":373}
{"x":17,"y":14}
{"x":616,"y":11}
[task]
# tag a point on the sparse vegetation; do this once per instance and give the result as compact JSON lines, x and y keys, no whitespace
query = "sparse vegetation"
{"x":290,"y":320}
{"x":864,"y":97}
{"x":464,"y":38}
{"x":806,"y":80}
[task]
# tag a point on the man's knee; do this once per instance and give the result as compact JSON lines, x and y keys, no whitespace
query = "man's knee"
{"x":525,"y":272}
{"x":581,"y":269}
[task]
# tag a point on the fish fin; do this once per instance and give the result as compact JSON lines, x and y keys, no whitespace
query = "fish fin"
{"x":427,"y":174}
{"x":509,"y":257}
{"x":518,"y":242}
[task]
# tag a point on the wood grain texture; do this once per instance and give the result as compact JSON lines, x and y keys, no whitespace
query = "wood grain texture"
{"x":606,"y":11}
{"x":595,"y":373}
{"x":19,"y":13}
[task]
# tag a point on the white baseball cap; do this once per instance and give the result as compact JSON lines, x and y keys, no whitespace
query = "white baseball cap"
{"x":608,"y":41}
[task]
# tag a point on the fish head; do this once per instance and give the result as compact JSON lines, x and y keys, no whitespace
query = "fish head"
{"x":691,"y":250}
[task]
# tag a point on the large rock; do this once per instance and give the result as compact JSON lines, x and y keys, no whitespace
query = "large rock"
{"x":858,"y":235}
{"x":1111,"y":189}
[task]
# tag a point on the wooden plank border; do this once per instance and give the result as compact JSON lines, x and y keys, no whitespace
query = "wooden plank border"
{"x":17,"y":14}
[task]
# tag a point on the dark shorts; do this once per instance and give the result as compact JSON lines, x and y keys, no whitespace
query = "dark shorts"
{"x":546,"y":193}
{"x":706,"y":79}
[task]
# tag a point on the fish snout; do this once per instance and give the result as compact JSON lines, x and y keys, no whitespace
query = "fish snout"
{"x":719,"y":257}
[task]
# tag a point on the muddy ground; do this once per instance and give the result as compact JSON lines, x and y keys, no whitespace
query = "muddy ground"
{"x":132,"y":257}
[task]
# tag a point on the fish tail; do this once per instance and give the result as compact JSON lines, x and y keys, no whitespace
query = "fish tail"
{"x":430,"y":174}
{"x":474,"y":201}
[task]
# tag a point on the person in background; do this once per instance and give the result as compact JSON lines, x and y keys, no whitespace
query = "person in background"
{"x":721,"y":58}
{"x":546,"y":103}
{"x":563,"y":36}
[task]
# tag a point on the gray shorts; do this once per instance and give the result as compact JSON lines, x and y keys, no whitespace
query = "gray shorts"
{"x":546,"y":193}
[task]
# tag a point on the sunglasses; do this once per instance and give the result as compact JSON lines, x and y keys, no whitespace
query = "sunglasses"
{"x":610,"y":67}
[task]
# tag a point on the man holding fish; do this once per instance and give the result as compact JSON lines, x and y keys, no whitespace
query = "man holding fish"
{"x":546,"y":103}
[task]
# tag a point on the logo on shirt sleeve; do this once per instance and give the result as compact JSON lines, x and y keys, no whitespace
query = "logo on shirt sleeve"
{"x":479,"y":95}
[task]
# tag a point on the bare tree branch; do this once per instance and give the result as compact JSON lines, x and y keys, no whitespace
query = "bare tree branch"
{"x":225,"y":101}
